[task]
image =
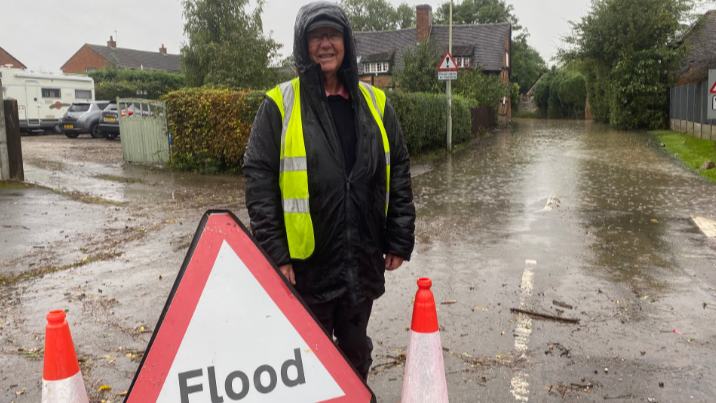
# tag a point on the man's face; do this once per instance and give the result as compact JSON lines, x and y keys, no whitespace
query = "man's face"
{"x":325,"y":47}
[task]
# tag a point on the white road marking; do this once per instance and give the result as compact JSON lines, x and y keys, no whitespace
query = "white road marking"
{"x":520,"y":385}
{"x":707,"y":226}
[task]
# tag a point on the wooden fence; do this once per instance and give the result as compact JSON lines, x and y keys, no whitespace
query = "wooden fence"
{"x":144,"y":132}
{"x":483,"y":119}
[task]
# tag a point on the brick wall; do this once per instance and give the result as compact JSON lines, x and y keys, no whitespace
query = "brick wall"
{"x":6,"y":58}
{"x":424,"y":22}
{"x":380,"y":81}
{"x":82,"y":60}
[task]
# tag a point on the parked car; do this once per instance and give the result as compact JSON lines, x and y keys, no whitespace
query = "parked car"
{"x":109,"y":120}
{"x":83,"y":117}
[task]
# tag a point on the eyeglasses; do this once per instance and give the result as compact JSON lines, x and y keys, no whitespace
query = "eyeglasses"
{"x":317,"y":39}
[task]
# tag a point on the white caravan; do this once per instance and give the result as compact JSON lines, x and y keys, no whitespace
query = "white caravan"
{"x":42,"y":99}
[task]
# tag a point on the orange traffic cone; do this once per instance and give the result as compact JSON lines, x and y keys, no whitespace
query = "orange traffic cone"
{"x":61,"y":377}
{"x":424,"y":378}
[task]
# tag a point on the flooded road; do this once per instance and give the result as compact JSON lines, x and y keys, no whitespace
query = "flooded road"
{"x":567,"y":218}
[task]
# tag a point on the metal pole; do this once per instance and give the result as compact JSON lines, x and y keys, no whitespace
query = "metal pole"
{"x":4,"y":155}
{"x":448,"y":90}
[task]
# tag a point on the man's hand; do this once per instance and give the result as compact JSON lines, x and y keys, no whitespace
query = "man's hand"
{"x":287,"y":271}
{"x":392,"y":262}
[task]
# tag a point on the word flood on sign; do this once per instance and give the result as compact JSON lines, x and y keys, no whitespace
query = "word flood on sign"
{"x":233,"y":329}
{"x":237,"y":383}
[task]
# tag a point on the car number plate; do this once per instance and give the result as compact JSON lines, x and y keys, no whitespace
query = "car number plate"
{"x":109,"y":119}
{"x":68,"y":126}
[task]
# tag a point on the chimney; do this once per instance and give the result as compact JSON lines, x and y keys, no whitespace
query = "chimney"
{"x":424,"y":19}
{"x":111,"y":43}
{"x":163,"y":50}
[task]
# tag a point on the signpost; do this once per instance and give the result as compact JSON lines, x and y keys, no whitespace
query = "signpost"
{"x":448,"y":64}
{"x":234,"y":328}
{"x":712,"y":95}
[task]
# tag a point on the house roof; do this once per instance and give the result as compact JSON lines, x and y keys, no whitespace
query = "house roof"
{"x":139,"y":59}
{"x":7,"y":58}
{"x":701,"y":38}
{"x":486,"y":41}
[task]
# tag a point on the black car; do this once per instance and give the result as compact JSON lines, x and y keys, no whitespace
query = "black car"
{"x":108,"y":122}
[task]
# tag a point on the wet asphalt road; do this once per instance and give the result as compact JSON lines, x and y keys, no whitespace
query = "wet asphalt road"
{"x":566,"y":211}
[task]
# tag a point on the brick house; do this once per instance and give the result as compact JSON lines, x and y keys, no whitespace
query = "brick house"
{"x":96,"y":57}
{"x":380,"y":53}
{"x":7,"y":60}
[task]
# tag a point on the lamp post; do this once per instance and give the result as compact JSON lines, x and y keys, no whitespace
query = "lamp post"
{"x":448,"y":90}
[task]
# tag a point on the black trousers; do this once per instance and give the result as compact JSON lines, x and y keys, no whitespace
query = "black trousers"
{"x":348,"y":325}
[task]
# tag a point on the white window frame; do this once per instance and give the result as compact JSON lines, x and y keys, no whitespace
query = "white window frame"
{"x":378,"y":67}
{"x":462,"y":62}
{"x":507,"y":59}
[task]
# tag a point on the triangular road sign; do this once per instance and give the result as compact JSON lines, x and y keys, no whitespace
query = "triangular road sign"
{"x":713,"y":89}
{"x":234,"y":329}
{"x":448,"y":63}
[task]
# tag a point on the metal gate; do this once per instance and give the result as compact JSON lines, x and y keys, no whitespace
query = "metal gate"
{"x":143,"y":129}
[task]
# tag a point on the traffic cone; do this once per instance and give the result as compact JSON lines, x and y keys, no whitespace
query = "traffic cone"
{"x":61,"y":377}
{"x":424,"y":378}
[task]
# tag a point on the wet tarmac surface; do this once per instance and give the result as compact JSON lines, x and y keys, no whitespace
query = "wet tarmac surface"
{"x":593,"y":218}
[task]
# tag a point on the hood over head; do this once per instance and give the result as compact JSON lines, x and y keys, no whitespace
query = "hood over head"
{"x":311,"y":13}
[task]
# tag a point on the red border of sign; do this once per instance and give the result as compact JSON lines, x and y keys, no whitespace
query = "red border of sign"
{"x":453,"y":61}
{"x":713,"y":89}
{"x":216,"y":227}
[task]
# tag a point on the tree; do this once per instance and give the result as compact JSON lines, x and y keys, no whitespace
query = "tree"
{"x":419,"y":72}
{"x":527,"y":64}
{"x":478,"y":12}
{"x":226,"y":45}
{"x":377,"y":15}
{"x":625,"y":50}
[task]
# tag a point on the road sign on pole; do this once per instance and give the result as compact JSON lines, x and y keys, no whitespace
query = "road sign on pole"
{"x":711,"y":110}
{"x":447,"y":75}
{"x":234,"y":328}
{"x":448,"y":63}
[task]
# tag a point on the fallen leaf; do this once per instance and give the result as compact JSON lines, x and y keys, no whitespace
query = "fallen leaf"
{"x":654,"y":220}
{"x":479,"y":308}
{"x":104,"y":387}
{"x":448,"y":302}
{"x":122,"y":393}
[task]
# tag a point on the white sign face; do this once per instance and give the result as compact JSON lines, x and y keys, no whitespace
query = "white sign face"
{"x":447,"y":75}
{"x":711,"y":112}
{"x":272,"y":363}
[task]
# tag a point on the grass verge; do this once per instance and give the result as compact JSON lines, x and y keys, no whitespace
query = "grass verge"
{"x":692,"y":152}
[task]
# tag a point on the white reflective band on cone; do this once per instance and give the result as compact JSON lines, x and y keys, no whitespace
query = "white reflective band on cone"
{"x":70,"y":390}
{"x":424,"y":379}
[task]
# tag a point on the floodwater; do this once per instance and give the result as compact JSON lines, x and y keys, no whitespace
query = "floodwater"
{"x":567,"y":218}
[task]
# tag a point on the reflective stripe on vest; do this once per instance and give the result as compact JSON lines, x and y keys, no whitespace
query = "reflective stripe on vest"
{"x":293,"y":171}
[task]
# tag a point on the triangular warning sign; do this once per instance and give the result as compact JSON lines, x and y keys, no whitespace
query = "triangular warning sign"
{"x":448,"y":63}
{"x":234,"y":329}
{"x":713,"y":89}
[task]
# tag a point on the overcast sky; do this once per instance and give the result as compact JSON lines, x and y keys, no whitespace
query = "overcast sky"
{"x":44,"y":34}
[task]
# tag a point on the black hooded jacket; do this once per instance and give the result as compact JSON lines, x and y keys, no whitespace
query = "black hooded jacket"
{"x":350,"y":226}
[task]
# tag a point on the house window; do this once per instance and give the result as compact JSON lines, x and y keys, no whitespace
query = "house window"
{"x":507,"y":60}
{"x":89,"y":69}
{"x":51,"y":93}
{"x":462,"y":62}
{"x":381,"y":67}
{"x":83,"y":94}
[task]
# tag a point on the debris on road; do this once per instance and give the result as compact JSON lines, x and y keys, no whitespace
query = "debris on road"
{"x":544,"y":315}
{"x":561,"y":304}
{"x":448,"y":302}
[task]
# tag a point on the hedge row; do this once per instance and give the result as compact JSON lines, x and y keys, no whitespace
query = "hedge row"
{"x":210,"y":127}
{"x":112,"y":83}
{"x":561,"y":94}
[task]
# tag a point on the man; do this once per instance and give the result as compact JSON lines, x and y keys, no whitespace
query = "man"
{"x":328,"y":182}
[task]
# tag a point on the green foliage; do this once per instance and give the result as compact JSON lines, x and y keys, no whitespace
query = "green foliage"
{"x":377,"y":15}
{"x":693,"y":152}
{"x":561,"y":94}
{"x":226,"y":45}
{"x":478,"y":12}
{"x":423,"y":118}
{"x":527,"y":64}
{"x":419,"y":73}
{"x":112,"y":82}
{"x":624,"y":48}
{"x":210,"y":127}
{"x":485,"y":89}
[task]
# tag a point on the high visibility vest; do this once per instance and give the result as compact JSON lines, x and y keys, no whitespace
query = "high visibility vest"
{"x":293,"y":171}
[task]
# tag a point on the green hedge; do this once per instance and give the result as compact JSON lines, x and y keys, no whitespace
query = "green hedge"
{"x":210,"y":127}
{"x":112,"y":83}
{"x":423,"y":119}
{"x":561,"y":94}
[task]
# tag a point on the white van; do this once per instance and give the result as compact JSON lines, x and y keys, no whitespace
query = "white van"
{"x":42,"y":99}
